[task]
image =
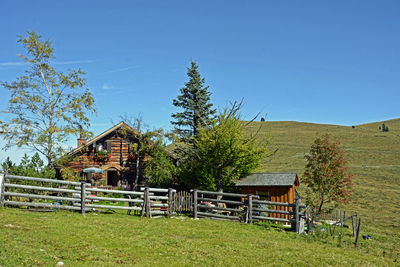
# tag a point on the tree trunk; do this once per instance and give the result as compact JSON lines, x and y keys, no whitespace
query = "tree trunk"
{"x":50,"y":162}
{"x":320,"y":206}
{"x":220,"y":186}
{"x":135,"y":185}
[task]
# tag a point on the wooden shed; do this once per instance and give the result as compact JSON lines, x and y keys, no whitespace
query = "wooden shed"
{"x":272,"y":186}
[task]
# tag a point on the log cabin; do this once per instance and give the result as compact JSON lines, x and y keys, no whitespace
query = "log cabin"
{"x":275,"y":186}
{"x":112,"y":152}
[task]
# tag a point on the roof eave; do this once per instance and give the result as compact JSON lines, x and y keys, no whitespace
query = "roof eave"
{"x":105,"y":133}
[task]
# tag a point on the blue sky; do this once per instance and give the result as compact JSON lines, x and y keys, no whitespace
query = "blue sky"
{"x":335,"y":62}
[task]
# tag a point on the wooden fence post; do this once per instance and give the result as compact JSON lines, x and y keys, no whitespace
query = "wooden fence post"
{"x":358,"y":231}
{"x":250,"y":208}
{"x":170,"y":202}
{"x":342,"y":218}
{"x":147,"y":201}
{"x":2,"y":181}
{"x":297,"y":214}
{"x":195,"y":203}
{"x":83,"y":197}
{"x":356,"y":218}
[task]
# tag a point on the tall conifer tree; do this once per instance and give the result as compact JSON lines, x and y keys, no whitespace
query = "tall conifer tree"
{"x":195,"y":102}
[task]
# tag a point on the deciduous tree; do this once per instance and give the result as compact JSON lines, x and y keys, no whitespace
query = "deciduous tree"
{"x":149,"y":149}
{"x":326,"y":174}
{"x":224,"y":152}
{"x":46,"y":106}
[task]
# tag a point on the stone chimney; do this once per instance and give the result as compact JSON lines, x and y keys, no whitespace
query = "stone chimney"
{"x":81,"y":141}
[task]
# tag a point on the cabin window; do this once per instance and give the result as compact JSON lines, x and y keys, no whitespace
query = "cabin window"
{"x":107,"y":146}
{"x":99,"y":147}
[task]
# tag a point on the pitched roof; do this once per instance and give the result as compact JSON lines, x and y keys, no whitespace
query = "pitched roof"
{"x":112,"y":129}
{"x":269,"y":179}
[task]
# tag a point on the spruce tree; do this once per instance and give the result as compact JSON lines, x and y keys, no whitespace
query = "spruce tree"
{"x":195,"y":102}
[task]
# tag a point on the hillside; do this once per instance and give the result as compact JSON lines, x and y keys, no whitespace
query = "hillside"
{"x":374,"y":159}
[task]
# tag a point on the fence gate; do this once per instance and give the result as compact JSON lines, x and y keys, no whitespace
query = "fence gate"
{"x":183,"y":202}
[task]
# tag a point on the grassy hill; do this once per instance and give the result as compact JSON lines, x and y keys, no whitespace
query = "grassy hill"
{"x":374,"y":159}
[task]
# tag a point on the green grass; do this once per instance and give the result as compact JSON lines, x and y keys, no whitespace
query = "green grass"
{"x":45,"y":238}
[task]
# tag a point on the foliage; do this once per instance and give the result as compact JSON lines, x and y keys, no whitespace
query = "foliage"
{"x":223,"y":153}
{"x":326,"y":174}
{"x":63,"y":165}
{"x":33,"y":167}
{"x":46,"y":106}
{"x":149,"y":146}
{"x":159,"y":166}
{"x":160,"y":169}
{"x":195,"y":102}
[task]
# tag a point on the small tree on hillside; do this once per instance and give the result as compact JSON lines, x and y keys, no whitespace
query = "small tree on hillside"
{"x":326,"y":174}
{"x":197,"y":109}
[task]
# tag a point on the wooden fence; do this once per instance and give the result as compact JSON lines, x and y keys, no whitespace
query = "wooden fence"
{"x":80,"y":196}
{"x":245,"y":208}
{"x":337,"y":220}
{"x":158,"y":201}
{"x":208,"y":204}
{"x":60,"y":192}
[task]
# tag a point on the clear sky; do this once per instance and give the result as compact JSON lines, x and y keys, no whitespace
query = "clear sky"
{"x":335,"y":62}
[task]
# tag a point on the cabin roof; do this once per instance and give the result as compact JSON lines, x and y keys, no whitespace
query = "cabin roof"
{"x":105,"y":133}
{"x":269,"y":179}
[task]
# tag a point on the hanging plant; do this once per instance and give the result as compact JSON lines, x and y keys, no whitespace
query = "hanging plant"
{"x":102,"y":155}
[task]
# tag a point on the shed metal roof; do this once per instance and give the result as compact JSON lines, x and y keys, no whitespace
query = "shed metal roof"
{"x":269,"y":179}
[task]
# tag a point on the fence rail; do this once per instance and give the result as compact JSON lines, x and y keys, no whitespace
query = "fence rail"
{"x":247,"y":208}
{"x":148,"y":201}
{"x":214,"y":207}
{"x":40,"y":205}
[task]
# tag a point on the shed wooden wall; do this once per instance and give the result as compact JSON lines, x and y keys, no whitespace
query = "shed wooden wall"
{"x":276,"y":194}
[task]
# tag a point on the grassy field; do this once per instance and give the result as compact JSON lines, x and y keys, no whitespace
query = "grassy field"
{"x":36,"y":238}
{"x":45,"y":238}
